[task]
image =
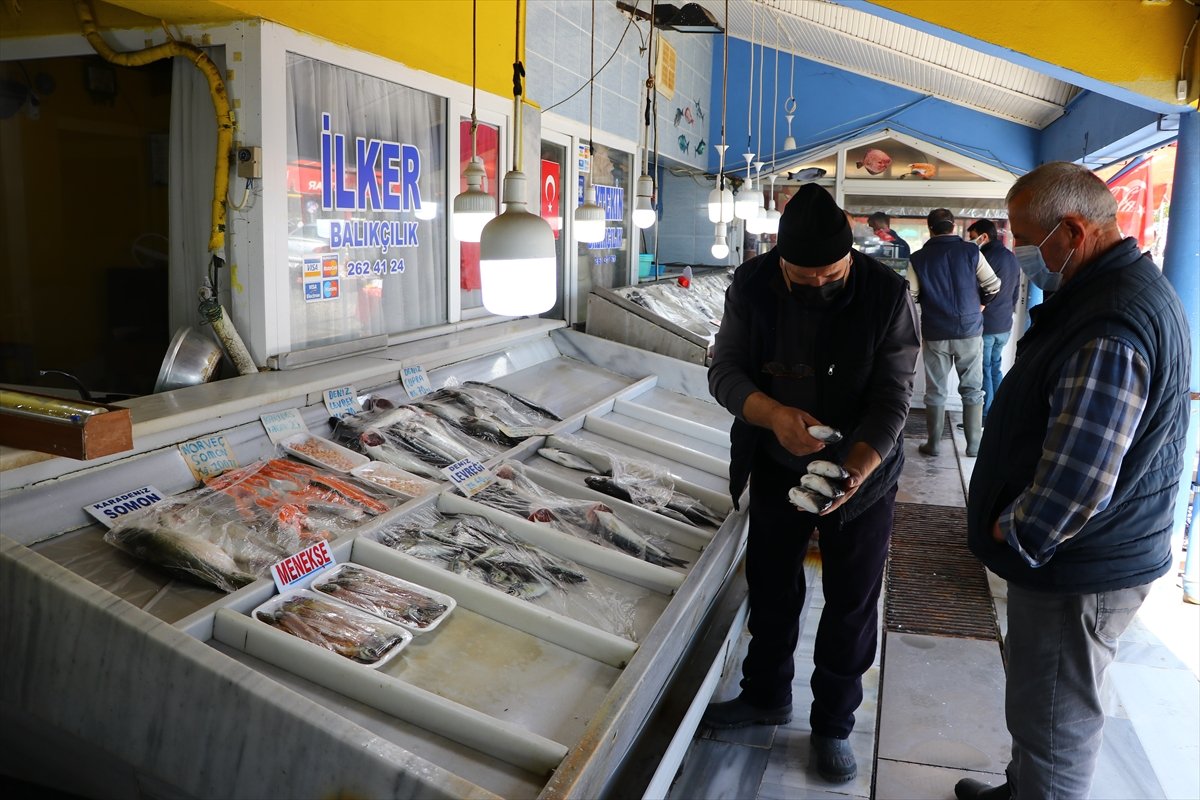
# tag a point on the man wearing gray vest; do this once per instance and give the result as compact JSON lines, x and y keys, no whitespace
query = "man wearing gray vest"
{"x":952,"y":281}
{"x":1072,"y":498}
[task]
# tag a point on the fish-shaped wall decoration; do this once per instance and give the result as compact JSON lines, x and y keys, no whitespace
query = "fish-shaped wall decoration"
{"x":683,"y":143}
{"x":687,"y":114}
{"x":874,"y":162}
{"x":678,"y":116}
{"x":699,"y":111}
{"x":700,"y":147}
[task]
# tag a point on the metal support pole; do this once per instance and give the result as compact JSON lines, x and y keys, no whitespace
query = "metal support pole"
{"x":1181,"y":265}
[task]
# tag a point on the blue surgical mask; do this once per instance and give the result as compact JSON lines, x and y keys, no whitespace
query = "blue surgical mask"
{"x":1029,"y":257}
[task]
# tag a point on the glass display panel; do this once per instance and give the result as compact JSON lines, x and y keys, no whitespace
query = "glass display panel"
{"x":607,"y":262}
{"x":366,"y":205}
{"x":487,"y":144}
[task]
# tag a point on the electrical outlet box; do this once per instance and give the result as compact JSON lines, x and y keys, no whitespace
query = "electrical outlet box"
{"x":1181,"y":91}
{"x":249,"y":162}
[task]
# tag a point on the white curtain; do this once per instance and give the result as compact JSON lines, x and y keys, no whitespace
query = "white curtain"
{"x":365,"y":305}
{"x":192,"y":146}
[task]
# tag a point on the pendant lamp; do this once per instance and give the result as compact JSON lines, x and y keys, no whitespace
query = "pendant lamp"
{"x":720,"y":199}
{"x":517,"y":259}
{"x":789,"y":107}
{"x":720,"y":247}
{"x":744,"y":207}
{"x":589,"y":217}
{"x":644,"y":214}
{"x":474,"y":207}
{"x":770,"y":219}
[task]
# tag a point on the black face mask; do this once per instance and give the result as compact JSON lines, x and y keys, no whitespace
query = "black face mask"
{"x":816,"y":296}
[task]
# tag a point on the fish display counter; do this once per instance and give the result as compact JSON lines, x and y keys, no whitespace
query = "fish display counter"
{"x":503,"y":574}
{"x":675,"y":317}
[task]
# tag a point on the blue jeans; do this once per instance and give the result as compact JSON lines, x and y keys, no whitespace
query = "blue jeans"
{"x":993,"y":351}
{"x":1058,"y":650}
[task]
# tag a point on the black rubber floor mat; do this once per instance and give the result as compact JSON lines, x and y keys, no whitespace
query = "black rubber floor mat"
{"x":915,"y":427}
{"x":934,"y":585}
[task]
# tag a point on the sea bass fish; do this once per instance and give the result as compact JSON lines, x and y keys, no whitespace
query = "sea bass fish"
{"x":566,"y":459}
{"x":808,"y":500}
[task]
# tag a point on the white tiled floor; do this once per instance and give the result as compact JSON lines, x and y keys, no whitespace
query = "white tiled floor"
{"x":941,"y":713}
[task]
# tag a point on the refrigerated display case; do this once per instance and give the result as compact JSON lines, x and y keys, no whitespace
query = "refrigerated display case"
{"x":663,"y":316}
{"x":152,"y":685}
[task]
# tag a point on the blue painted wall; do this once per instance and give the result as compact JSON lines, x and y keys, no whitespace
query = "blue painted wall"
{"x":1097,"y":124}
{"x":834,"y":105}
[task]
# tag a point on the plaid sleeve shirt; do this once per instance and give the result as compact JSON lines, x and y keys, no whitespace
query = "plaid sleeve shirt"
{"x":1094,"y":410}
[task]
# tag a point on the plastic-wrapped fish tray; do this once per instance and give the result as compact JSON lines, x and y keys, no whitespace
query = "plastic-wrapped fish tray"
{"x":388,"y":604}
{"x":393,"y":479}
{"x":366,"y":639}
{"x":323,"y":453}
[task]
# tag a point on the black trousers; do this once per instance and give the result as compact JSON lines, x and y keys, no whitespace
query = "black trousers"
{"x":853,"y":556}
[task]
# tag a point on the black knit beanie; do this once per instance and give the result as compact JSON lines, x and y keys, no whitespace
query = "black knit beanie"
{"x":813,"y":231}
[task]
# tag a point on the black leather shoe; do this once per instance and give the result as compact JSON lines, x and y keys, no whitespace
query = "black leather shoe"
{"x":738,"y":713}
{"x":835,"y":759}
{"x":971,"y":789}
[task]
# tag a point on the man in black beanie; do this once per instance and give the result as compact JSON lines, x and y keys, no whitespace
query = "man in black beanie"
{"x":814,"y":333}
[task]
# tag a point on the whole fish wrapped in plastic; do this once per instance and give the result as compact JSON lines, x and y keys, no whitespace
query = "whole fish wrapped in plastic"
{"x":346,"y":631}
{"x":245,"y":520}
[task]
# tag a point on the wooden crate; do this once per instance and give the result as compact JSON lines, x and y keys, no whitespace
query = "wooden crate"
{"x":91,"y":437}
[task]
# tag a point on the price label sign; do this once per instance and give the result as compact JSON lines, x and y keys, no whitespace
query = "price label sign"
{"x":110,"y":510}
{"x":282,"y":424}
{"x":208,"y":457}
{"x":416,"y":381}
{"x":469,"y":476}
{"x":342,"y":402}
{"x":298,"y":571}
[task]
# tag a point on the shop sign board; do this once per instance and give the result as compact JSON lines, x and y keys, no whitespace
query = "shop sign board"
{"x":298,"y":571}
{"x":110,"y":511}
{"x":342,"y":402}
{"x":282,"y":424}
{"x":208,"y":457}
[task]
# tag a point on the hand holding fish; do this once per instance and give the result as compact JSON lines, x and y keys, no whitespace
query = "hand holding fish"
{"x":793,"y":427}
{"x":860,"y":463}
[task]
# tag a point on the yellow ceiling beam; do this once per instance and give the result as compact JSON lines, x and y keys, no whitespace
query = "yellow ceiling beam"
{"x":429,"y":35}
{"x":1133,"y":44}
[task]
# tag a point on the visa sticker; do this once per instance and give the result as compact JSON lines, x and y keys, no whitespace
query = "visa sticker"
{"x":415,"y":380}
{"x":208,"y":457}
{"x":469,"y":476}
{"x":110,"y":511}
{"x":342,"y":402}
{"x":282,"y":424}
{"x":298,"y":571}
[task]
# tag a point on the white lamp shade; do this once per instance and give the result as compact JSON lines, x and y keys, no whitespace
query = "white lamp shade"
{"x":474,"y":207}
{"x":756,"y":224}
{"x":771,"y":222}
{"x":789,"y":143}
{"x":720,"y":205}
{"x":518,"y":265}
{"x":745,"y":206}
{"x":643,"y":208}
{"x":589,"y":223}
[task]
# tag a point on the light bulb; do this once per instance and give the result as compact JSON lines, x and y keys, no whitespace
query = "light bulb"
{"x":770,"y":225}
{"x":720,"y":249}
{"x":589,"y":220}
{"x":643,"y":209}
{"x":748,"y":201}
{"x":474,"y":207}
{"x":518,"y":264}
{"x":720,"y":205}
{"x":426,"y":211}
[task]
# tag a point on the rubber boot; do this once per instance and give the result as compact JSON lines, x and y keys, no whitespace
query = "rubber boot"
{"x":935,"y":421}
{"x":973,"y":428}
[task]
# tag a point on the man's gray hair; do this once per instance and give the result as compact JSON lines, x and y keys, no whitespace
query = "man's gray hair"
{"x":1060,"y":188}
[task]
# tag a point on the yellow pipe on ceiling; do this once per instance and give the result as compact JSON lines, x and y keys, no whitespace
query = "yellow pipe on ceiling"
{"x":1133,"y":44}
